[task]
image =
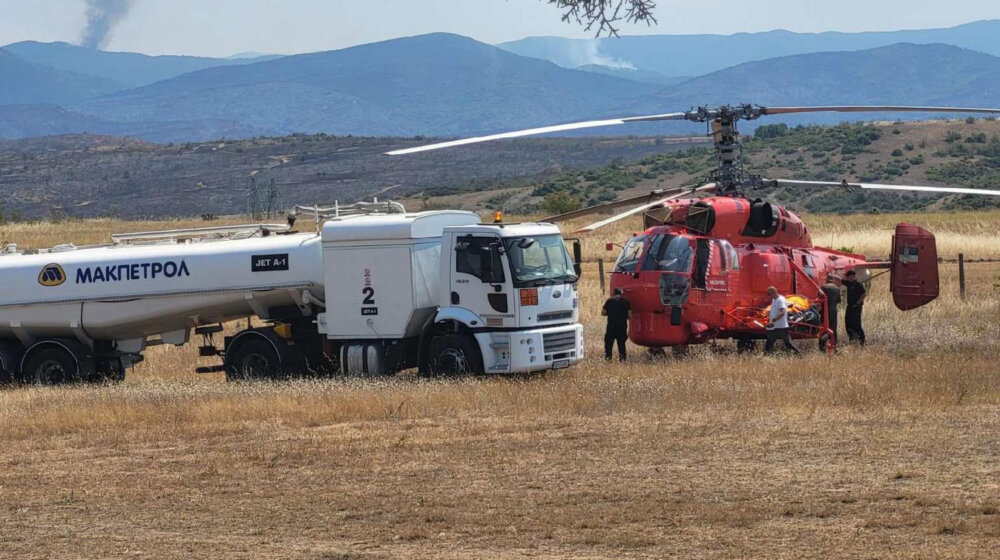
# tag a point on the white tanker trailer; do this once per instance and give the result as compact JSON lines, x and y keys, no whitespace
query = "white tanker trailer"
{"x":371,"y":292}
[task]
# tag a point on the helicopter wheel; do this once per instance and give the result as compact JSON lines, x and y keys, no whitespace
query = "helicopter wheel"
{"x":746,"y":346}
{"x":824,"y":343}
{"x":655,"y":353}
{"x":681,"y":352}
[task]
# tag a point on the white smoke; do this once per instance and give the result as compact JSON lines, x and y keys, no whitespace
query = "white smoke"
{"x":590,"y":53}
{"x":102,"y":16}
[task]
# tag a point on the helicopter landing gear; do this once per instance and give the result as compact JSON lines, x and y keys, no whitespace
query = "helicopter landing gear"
{"x":746,"y":346}
{"x":681,"y":352}
{"x":826,"y":343}
{"x":655,"y":353}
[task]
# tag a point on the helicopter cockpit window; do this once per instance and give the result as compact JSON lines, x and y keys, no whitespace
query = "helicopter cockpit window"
{"x":669,"y":253}
{"x":629,"y":260}
{"x":808,"y":266}
{"x":731,"y":256}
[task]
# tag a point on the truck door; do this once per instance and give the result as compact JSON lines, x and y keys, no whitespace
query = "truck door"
{"x":478,"y":268}
{"x":914,"y":273}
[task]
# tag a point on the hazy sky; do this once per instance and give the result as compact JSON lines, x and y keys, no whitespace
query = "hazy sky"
{"x":224,"y":27}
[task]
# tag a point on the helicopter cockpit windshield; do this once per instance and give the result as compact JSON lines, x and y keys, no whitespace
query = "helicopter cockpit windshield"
{"x":629,"y":259}
{"x":668,"y":253}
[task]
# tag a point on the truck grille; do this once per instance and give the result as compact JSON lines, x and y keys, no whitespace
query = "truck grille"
{"x":559,"y":342}
{"x":555,"y":316}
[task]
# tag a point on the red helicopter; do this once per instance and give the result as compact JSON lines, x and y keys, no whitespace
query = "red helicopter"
{"x":701,"y":269}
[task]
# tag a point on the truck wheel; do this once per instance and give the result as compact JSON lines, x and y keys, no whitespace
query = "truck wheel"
{"x":110,"y":371}
{"x":454,"y":354}
{"x":254,"y":359}
{"x":52,"y":365}
{"x":10,"y":361}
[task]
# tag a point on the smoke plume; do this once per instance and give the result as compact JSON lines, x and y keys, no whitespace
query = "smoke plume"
{"x":102,"y":16}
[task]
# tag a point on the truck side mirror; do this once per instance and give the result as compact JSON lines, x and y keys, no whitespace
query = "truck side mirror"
{"x":577,"y":257}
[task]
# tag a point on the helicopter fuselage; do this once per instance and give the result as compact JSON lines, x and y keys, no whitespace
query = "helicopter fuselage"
{"x":701,"y":269}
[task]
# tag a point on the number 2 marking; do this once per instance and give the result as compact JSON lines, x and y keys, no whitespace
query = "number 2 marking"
{"x":369,"y":296}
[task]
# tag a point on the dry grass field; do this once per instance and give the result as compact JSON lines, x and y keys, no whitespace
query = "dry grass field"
{"x":892,"y":451}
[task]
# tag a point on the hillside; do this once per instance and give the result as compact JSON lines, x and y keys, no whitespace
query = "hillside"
{"x":88,"y":175}
{"x":448,"y":85}
{"x":918,"y":74}
{"x":432,"y":84}
{"x":944,"y":153}
{"x":696,"y":55}
{"x":632,"y":74}
{"x":98,"y":175}
{"x":125,"y":69}
{"x":24,"y":82}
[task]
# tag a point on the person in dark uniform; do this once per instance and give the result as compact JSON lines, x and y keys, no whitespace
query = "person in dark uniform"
{"x":618,"y":311}
{"x":832,"y":292}
{"x":855,"y":303}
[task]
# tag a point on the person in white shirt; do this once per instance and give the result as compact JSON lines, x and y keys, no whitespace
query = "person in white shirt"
{"x":777,"y":323}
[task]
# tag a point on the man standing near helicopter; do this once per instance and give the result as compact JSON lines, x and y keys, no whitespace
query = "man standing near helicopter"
{"x":777,"y":323}
{"x":855,"y":303}
{"x":618,"y":311}
{"x":832,"y":292}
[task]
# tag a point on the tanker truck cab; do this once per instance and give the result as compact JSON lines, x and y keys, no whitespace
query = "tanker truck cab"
{"x":441,"y":292}
{"x":513,"y":289}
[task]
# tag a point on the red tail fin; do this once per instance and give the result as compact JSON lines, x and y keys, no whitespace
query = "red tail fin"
{"x":914,"y":272}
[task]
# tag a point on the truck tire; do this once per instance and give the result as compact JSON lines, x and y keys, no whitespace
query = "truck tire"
{"x":455,"y":354}
{"x":10,"y":361}
{"x":109,"y":371}
{"x":51,"y":365}
{"x":252,"y":360}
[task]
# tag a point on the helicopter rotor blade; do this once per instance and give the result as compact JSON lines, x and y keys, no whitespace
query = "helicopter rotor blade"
{"x":873,"y":109}
{"x":657,"y":194}
{"x":536,"y":131}
{"x":876,"y":186}
{"x":644,"y":207}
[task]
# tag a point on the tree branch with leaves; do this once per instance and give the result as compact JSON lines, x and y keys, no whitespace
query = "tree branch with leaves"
{"x":606,"y":15}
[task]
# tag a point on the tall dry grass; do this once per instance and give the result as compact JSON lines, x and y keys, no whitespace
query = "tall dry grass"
{"x":887,"y":451}
{"x":926,"y":356}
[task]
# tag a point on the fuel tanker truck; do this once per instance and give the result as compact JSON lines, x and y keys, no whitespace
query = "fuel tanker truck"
{"x":369,"y":290}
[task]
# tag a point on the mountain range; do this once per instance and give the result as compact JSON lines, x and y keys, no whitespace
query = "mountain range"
{"x":449,"y":85}
{"x":696,"y":55}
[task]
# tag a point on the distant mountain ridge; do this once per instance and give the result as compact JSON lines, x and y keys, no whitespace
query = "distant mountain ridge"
{"x":126,"y":69}
{"x":448,"y":85}
{"x":24,"y":82}
{"x":438,"y":84}
{"x":697,"y":55}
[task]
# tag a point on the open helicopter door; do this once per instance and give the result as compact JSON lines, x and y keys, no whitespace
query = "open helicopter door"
{"x":913,"y":277}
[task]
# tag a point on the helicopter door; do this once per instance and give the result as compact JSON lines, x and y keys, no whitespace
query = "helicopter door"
{"x":913,"y":278}
{"x":702,"y":255}
{"x":718,"y":269}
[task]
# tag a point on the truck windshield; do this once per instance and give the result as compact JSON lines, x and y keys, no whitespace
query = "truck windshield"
{"x":669,"y":253}
{"x":539,"y":260}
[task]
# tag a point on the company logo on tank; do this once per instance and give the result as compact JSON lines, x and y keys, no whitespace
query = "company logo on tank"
{"x":131,"y":272}
{"x":51,"y":275}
